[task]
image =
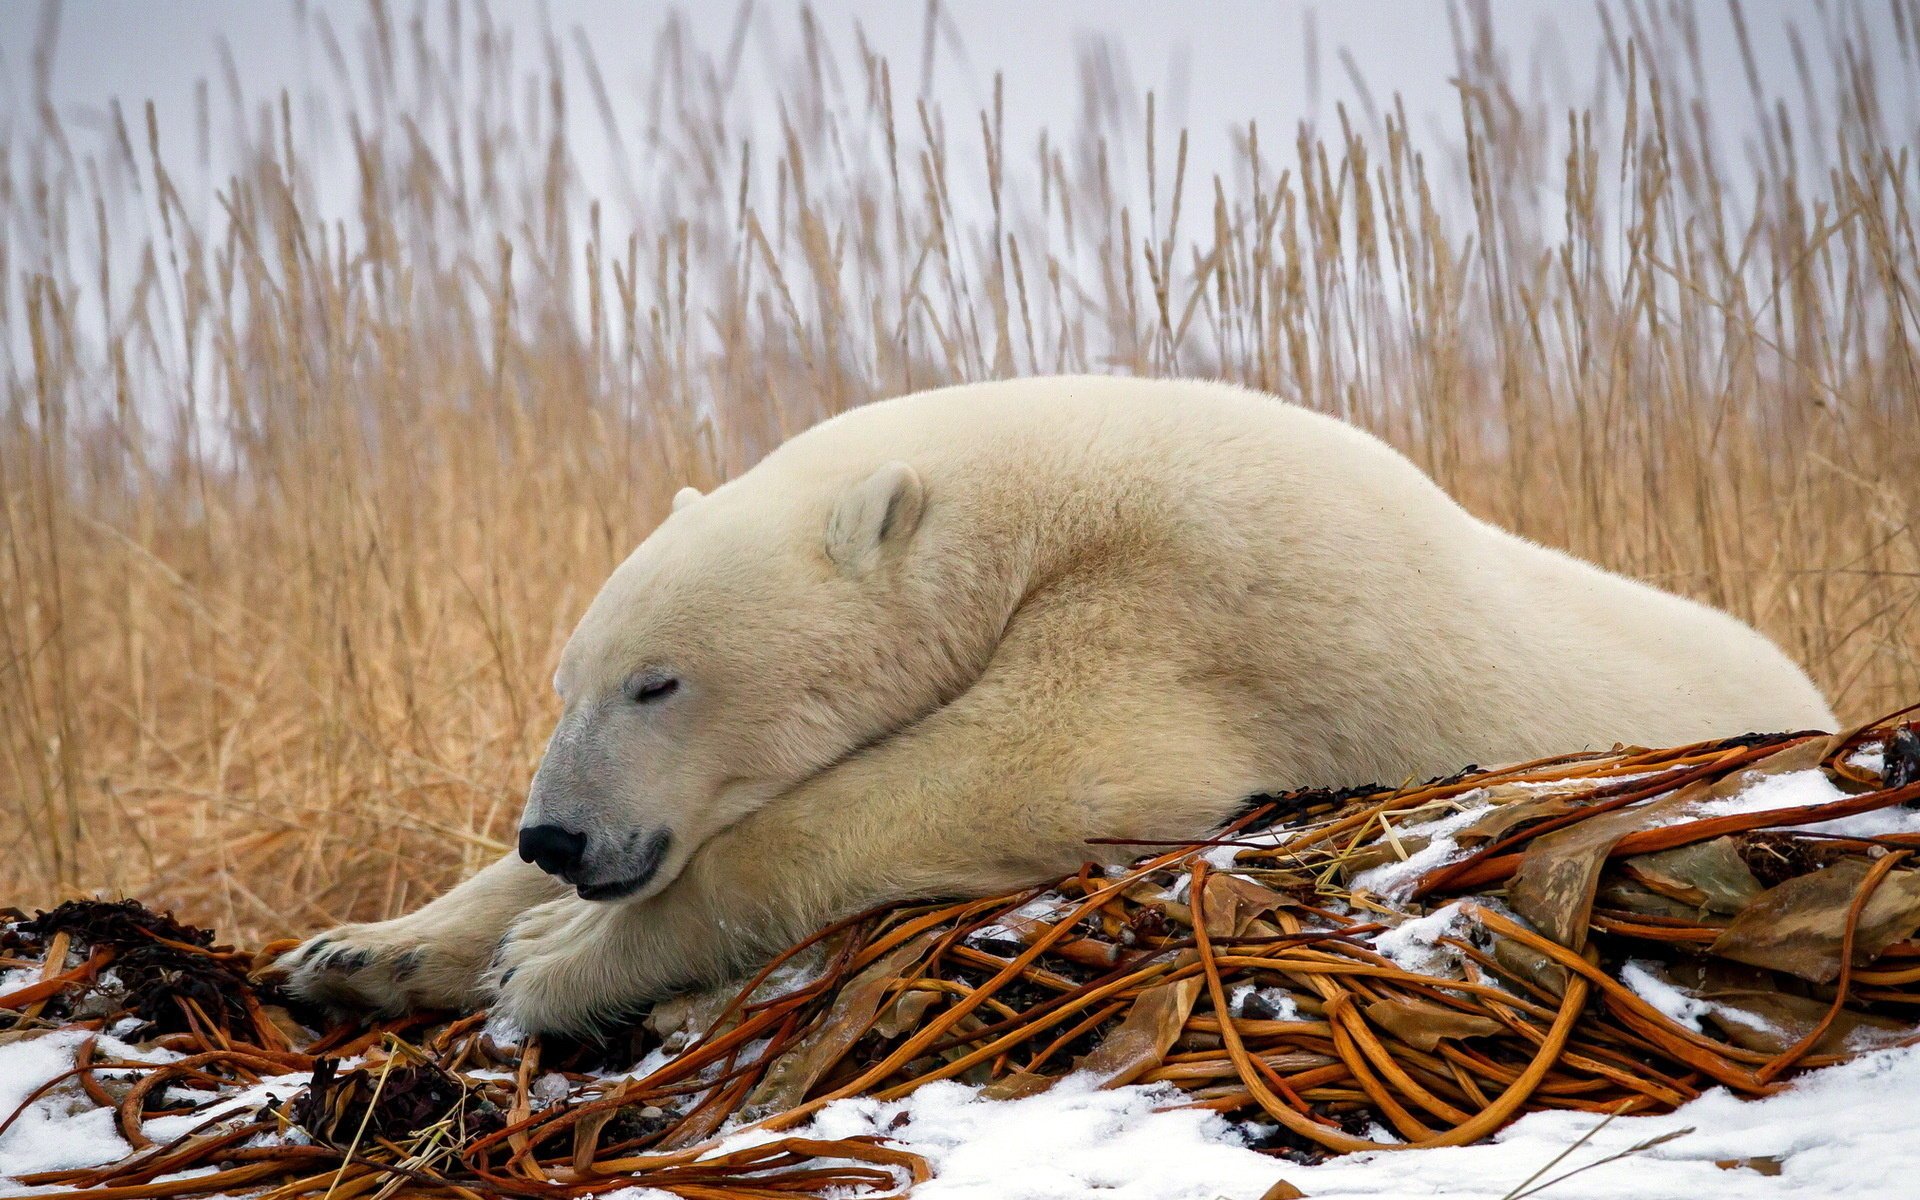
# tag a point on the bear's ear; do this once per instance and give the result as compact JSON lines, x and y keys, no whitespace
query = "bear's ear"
{"x":877,"y":514}
{"x":684,"y":497}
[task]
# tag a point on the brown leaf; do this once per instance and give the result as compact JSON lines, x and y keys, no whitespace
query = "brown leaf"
{"x":1525,"y":962}
{"x":1282,"y":1190}
{"x":1555,"y":884}
{"x":1707,"y":875}
{"x":905,"y":1012}
{"x":1380,"y":853}
{"x":1423,"y":1026}
{"x":1757,"y":1009}
{"x":1234,"y":903}
{"x":1800,"y":756}
{"x":1526,"y":805}
{"x":790,"y":1076}
{"x":1623,"y":893}
{"x":1797,"y":927}
{"x":1560,"y":872}
{"x":1776,"y":1021}
{"x":1151,"y":1027}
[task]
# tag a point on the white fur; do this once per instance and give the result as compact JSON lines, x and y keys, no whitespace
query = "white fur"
{"x":933,"y":645}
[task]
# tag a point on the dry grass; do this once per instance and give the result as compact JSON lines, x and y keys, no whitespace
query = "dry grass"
{"x":301,"y":500}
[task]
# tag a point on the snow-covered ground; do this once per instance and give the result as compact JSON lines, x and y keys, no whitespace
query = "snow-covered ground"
{"x":1851,"y":1131}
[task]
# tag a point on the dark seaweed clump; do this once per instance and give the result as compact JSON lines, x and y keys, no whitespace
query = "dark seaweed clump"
{"x":159,"y":963}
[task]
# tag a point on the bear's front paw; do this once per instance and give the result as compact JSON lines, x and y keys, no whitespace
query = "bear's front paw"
{"x":562,"y":969}
{"x":390,"y":967}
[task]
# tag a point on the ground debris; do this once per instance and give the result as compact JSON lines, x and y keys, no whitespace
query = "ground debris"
{"x":145,"y":965}
{"x":397,"y":1104}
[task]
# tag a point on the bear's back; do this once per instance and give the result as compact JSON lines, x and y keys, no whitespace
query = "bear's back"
{"x":1220,"y":449}
{"x":1234,"y":527}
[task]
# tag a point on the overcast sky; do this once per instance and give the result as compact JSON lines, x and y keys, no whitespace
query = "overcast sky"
{"x":1214,"y":64}
{"x":1241,"y":58}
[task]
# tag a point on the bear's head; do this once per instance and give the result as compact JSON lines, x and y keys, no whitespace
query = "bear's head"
{"x":757,"y":636}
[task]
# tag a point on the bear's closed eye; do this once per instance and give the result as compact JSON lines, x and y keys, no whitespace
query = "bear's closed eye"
{"x":650,"y":690}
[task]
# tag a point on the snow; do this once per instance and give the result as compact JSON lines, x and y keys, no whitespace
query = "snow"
{"x":1588,"y":782}
{"x":1016,"y":925}
{"x":1395,"y":880}
{"x":1851,"y":1130}
{"x":1415,"y":945}
{"x":1651,"y":986}
{"x":1125,"y":1144}
{"x":62,"y":1130}
{"x":1279,"y":1000}
{"x":1794,"y":789}
{"x":1846,"y":1131}
{"x":240,"y":1104}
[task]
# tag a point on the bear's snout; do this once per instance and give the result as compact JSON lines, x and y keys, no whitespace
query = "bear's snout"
{"x":553,"y":848}
{"x":562,"y":853}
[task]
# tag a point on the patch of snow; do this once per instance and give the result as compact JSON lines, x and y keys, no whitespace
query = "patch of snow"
{"x":62,"y":1130}
{"x":1728,"y":1014}
{"x":1850,"y":1130}
{"x":1588,"y":783}
{"x":240,"y":1105}
{"x":502,"y":1029}
{"x":1278,"y":999}
{"x":1415,"y":945}
{"x":1651,"y":986}
{"x":1871,"y":758}
{"x":1220,"y":858}
{"x":1395,"y":880}
{"x":1073,"y":1140}
{"x":650,"y":1062}
{"x":994,"y":932}
{"x":1047,"y":908}
{"x":1794,"y":789}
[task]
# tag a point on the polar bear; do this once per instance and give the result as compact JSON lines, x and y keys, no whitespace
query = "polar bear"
{"x":933,"y":645}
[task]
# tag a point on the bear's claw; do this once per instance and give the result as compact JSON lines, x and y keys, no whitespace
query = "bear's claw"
{"x":388,"y":967}
{"x":539,"y":977}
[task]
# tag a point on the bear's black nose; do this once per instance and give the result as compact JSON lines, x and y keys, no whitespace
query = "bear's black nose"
{"x":554,"y":850}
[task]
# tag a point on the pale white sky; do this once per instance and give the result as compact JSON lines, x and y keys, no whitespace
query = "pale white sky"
{"x":1214,"y":64}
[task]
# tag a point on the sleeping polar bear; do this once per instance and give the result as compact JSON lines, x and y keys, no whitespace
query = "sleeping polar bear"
{"x":933,"y":645}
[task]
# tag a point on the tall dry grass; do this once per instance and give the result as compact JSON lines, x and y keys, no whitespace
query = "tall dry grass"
{"x":300,"y":498}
